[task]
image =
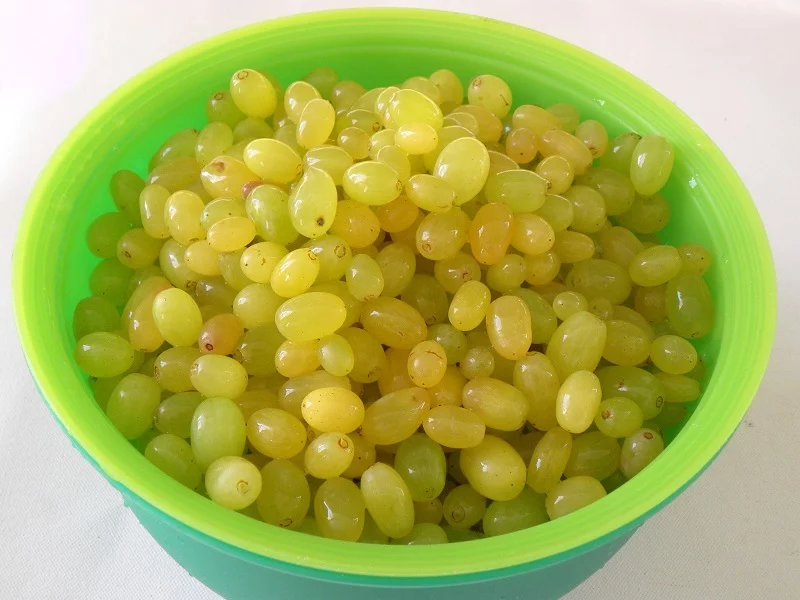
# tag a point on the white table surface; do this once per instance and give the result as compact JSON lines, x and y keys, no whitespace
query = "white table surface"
{"x":731,"y":65}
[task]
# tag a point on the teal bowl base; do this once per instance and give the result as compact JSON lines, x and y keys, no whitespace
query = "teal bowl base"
{"x":236,"y":579}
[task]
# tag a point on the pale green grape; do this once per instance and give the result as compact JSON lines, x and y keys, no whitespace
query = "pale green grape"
{"x":421,"y":463}
{"x":180,"y":145}
{"x":126,"y":186}
{"x":500,"y":405}
{"x":637,"y":384}
{"x":105,"y":232}
{"x":618,"y":417}
{"x":333,"y":409}
{"x":524,"y":511}
{"x":589,"y":209}
{"x":639,"y":449}
{"x":690,"y":308}
{"x":453,"y":341}
{"x":477,"y":362}
{"x":364,"y":278}
{"x":275,"y":433}
{"x":177,"y":317}
{"x":616,"y":188}
{"x":220,"y":107}
{"x":573,"y":494}
{"x":396,"y":416}
{"x":310,"y":316}
{"x":393,"y":322}
{"x":678,"y":388}
{"x":673,"y":355}
{"x":218,"y":429}
{"x":132,"y":403}
{"x":173,"y":455}
{"x":233,"y":482}
{"x":285,"y":495}
{"x":94,"y":314}
{"x":172,"y":368}
{"x":295,"y":273}
{"x":647,"y":214}
{"x":293,"y":359}
{"x":339,"y":509}
{"x":440,"y":236}
{"x":521,"y":146}
{"x":372,"y":183}
{"x":174,"y":414}
{"x":388,"y":500}
{"x":328,"y":455}
{"x":103,"y":354}
{"x":651,"y":164}
{"x":253,"y":93}
{"x":268,"y":208}
{"x":215,"y":375}
{"x":490,"y":233}
{"x":577,"y":344}
{"x":335,"y":355}
{"x":463,"y":507}
{"x":423,"y":534}
{"x":464,"y":164}
{"x":136,"y":249}
{"x":620,"y":151}
{"x":508,"y":323}
{"x":507,"y":274}
{"x":593,"y":454}
{"x":494,"y":469}
{"x":522,"y":190}
{"x":428,"y":297}
{"x":331,"y":159}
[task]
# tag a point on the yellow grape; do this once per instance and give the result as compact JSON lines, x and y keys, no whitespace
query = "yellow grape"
{"x":253,"y":93}
{"x":396,"y":416}
{"x":494,"y":469}
{"x":500,"y":405}
{"x":393,"y":322}
{"x":464,"y":164}
{"x":312,"y":203}
{"x":333,"y":409}
{"x":273,"y":161}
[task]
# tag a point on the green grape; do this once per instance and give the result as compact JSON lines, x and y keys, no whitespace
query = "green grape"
{"x":293,"y":391}
{"x":392,"y":322}
{"x":696,"y":259}
{"x":310,"y":316}
{"x":535,"y":376}
{"x":268,"y":208}
{"x":689,"y":306}
{"x":543,"y":317}
{"x":173,"y":265}
{"x":259,"y":260}
{"x":430,"y":193}
{"x":182,"y":212}
{"x":227,"y":176}
{"x":174,"y":456}
{"x":620,"y":246}
{"x":370,"y":361}
{"x":531,"y":234}
{"x":463,"y":507}
{"x":524,"y":511}
{"x":508,"y":323}
{"x":214,"y":139}
{"x":534,"y":118}
{"x":218,"y":429}
{"x":620,"y":151}
{"x":215,"y":375}
{"x":363,"y":456}
{"x":557,"y":211}
{"x":345,"y":93}
{"x":201,"y":258}
{"x":451,"y":339}
{"x":180,"y":145}
{"x":647,"y":214}
{"x":395,"y":375}
{"x":566,"y":114}
{"x":136,"y":249}
{"x":490,"y":127}
{"x":651,"y":164}
{"x":152,"y":204}
{"x":464,"y":164}
{"x":335,"y":355}
{"x":256,"y":350}
{"x":427,"y":364}
{"x":397,"y":266}
{"x":567,"y":304}
{"x":293,"y":359}
{"x":454,"y":426}
{"x":507,"y":274}
{"x":323,"y":79}
{"x":398,"y":160}
{"x":388,"y":500}
{"x":331,"y":159}
{"x":441,"y":235}
{"x":589,"y":209}
{"x":424,"y":86}
{"x":364,"y":278}
{"x":328,"y":455}
{"x":615,"y":188}
{"x":562,"y":143}
{"x":94,"y":314}
{"x":679,"y":388}
{"x":295,"y":273}
{"x":423,"y":534}
{"x":421,"y":463}
{"x":214,"y":290}
{"x":573,"y":494}
{"x":672,"y":415}
{"x":177,"y":317}
{"x":105,"y":232}
{"x":275,"y":433}
{"x":549,"y":459}
{"x":410,"y":106}
{"x":454,"y":272}
{"x":637,"y":384}
{"x":174,"y":414}
{"x":316,"y":123}
{"x":428,"y":297}
{"x":339,"y":509}
{"x":333,"y":409}
{"x":416,"y":138}
{"x":651,"y":303}
{"x":638,"y":450}
{"x":490,"y":233}
{"x":354,"y":141}
{"x":500,"y":405}
{"x":655,"y":266}
{"x":573,"y":247}
{"x":673,"y":355}
{"x":494,"y":469}
{"x":253,"y":93}
{"x":577,"y":344}
{"x":428,"y":512}
{"x":126,"y":186}
{"x":132,"y":403}
{"x":297,"y":96}
{"x":285,"y":495}
{"x":233,"y":482}
{"x":478,"y":362}
{"x":356,"y":224}
{"x":221,"y":108}
{"x":103,"y":354}
{"x":395,"y":417}
{"x":521,"y":190}
{"x":372,"y":183}
{"x":627,"y":344}
{"x":175,"y":175}
{"x":398,"y":215}
{"x":618,"y":417}
{"x":451,"y":91}
{"x":578,"y":400}
{"x":171,"y":368}
{"x":593,"y":454}
{"x":371,"y":534}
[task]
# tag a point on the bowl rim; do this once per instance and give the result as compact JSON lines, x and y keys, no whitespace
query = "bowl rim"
{"x":556,"y":540}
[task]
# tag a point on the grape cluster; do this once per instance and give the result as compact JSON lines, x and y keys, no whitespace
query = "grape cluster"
{"x":409,"y":313}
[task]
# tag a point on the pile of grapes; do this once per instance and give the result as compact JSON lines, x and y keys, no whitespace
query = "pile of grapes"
{"x":395,"y":314}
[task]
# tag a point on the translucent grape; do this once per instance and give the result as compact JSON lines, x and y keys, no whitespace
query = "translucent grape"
{"x":549,"y":459}
{"x":174,"y":414}
{"x":647,"y":214}
{"x":428,"y":297}
{"x":215,"y":375}
{"x":638,"y":450}
{"x":478,"y":362}
{"x":451,"y":339}
{"x":627,"y":344}
{"x":393,"y":322}
{"x":104,"y":233}
{"x":651,"y":164}
{"x":293,"y":391}
{"x":136,"y":249}
{"x":421,"y":463}
{"x":577,"y":344}
{"x":562,"y":143}
{"x":689,"y":306}
{"x":593,"y":454}
{"x":132,"y":403}
{"x":331,"y":159}
{"x":328,"y":455}
{"x":395,"y":374}
{"x":355,"y":223}
{"x":173,"y":455}
{"x":312,"y":203}
{"x":620,"y":151}
{"x":463,"y":507}
{"x":293,"y":359}
{"x":490,"y":127}
{"x":171,"y":368}
{"x":126,"y":186}
{"x":594,"y":136}
{"x":177,"y":317}
{"x":410,"y":107}
{"x":637,"y":384}
{"x":673,"y":355}
{"x":371,"y":183}
{"x":464,"y":164}
{"x":94,"y":314}
{"x":500,"y":406}
{"x":441,"y":235}
{"x":573,"y":494}
{"x":364,"y":278}
{"x":103,"y":354}
{"x":696,"y":259}
{"x":395,"y":417}
{"x":233,"y":482}
{"x":589,"y":209}
{"x":335,"y":355}
{"x":618,"y":417}
{"x":521,"y":145}
{"x":578,"y":400}
{"x":218,"y":429}
{"x":508,"y":322}
{"x":333,"y":409}
{"x":268,"y":208}
{"x":524,"y":511}
{"x":655,"y":266}
{"x":388,"y":500}
{"x":522,"y":190}
{"x":253,"y":93}
{"x":397,"y":265}
{"x":339,"y":509}
{"x":494,"y":469}
{"x":370,"y":361}
{"x":678,"y":388}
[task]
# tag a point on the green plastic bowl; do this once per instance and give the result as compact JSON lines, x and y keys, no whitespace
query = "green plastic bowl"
{"x":242,"y":558}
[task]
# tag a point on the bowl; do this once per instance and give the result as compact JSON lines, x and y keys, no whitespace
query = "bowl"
{"x":242,"y":558}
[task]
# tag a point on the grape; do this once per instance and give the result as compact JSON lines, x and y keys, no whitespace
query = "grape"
{"x":637,"y":384}
{"x":423,"y":534}
{"x":94,"y":314}
{"x":345,"y":93}
{"x":490,"y":233}
{"x":173,"y":455}
{"x":172,"y":367}
{"x":566,"y":114}
{"x":370,"y":361}
{"x":364,"y":278}
{"x":226,"y":176}
{"x":174,"y":414}
{"x":673,"y":354}
{"x":395,"y":375}
{"x":428,"y":297}
{"x":589,"y":209}
{"x":179,"y":145}
{"x":354,"y":141}
{"x":500,"y":405}
{"x":572,"y":494}
{"x":388,"y":500}
{"x":647,"y":214}
{"x":655,"y":266}
{"x":103,"y":354}
{"x":126,"y":186}
{"x":524,"y":511}
{"x":478,"y":362}
{"x":454,"y":426}
{"x":451,"y":91}
{"x":393,"y":322}
{"x":441,"y":235}
{"x":638,"y":450}
{"x":253,"y":93}
{"x":627,"y":344}
{"x":328,"y":455}
{"x":218,"y":429}
{"x":534,"y":118}
{"x":356,"y":224}
{"x":132,"y":403}
{"x":333,"y":409}
{"x":490,"y":128}
{"x":508,"y":322}
{"x":494,"y":469}
{"x":562,"y":143}
{"x":293,"y":391}
{"x":396,"y":416}
{"x":177,"y":317}
{"x":427,"y":364}
{"x":463,"y":507}
{"x":577,"y":344}
{"x":371,"y":183}
{"x":593,"y":454}
{"x":689,"y":306}
{"x":696,"y":259}
{"x":310,"y":316}
{"x":578,"y":400}
{"x":285,"y":496}
{"x":233,"y":482}
{"x":268,"y":208}
{"x":104,"y":233}
{"x":521,"y":190}
{"x":521,"y":146}
{"x":651,"y":164}
{"x":421,"y":463}
{"x":594,"y":136}
{"x":678,"y":388}
{"x":464,"y":164}
{"x":215,"y":375}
